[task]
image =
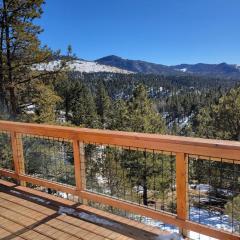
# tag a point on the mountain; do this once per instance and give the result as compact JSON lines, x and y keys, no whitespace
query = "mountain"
{"x":79,"y":65}
{"x":136,"y":66}
{"x":115,"y":64}
{"x":218,"y":70}
{"x":222,"y":70}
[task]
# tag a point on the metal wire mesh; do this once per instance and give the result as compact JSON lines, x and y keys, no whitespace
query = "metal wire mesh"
{"x":6,"y":156}
{"x":144,"y":177}
{"x":136,"y":217}
{"x":48,"y":158}
{"x":214,"y":193}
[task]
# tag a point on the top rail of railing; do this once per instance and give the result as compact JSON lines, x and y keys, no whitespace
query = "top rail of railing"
{"x":197,"y":146}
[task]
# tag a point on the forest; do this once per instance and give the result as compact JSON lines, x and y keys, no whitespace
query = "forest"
{"x":178,"y":105}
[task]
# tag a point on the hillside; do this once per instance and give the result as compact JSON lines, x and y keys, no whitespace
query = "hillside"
{"x":222,"y":70}
{"x":136,"y":66}
{"x":80,"y":66}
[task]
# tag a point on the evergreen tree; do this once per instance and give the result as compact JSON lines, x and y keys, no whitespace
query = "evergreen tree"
{"x":20,"y":49}
{"x":83,"y":107}
{"x":232,"y":208}
{"x":139,"y":117}
{"x":221,"y":120}
{"x":66,"y":88}
{"x":104,"y":107}
{"x":121,"y":116}
{"x":45,"y":102}
{"x":142,"y":115}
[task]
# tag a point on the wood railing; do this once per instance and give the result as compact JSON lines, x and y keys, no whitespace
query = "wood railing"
{"x":181,"y":147}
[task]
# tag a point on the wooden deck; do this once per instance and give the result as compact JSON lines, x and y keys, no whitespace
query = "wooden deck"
{"x":29,"y":214}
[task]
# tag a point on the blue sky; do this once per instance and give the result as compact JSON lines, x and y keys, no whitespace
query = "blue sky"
{"x":161,"y":31}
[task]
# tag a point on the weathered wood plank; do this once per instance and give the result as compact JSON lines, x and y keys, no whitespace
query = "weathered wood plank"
{"x":48,"y":184}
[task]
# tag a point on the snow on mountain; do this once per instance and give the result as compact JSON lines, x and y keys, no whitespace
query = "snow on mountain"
{"x":237,"y":66}
{"x":184,"y":70}
{"x":79,"y":66}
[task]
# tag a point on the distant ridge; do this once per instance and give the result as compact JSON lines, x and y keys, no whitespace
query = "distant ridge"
{"x":137,"y":66}
{"x":222,"y":70}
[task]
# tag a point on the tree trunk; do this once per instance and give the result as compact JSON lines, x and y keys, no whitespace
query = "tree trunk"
{"x":11,"y":87}
{"x":67,"y":107}
{"x":2,"y":94}
{"x":145,"y":189}
{"x":13,"y":102}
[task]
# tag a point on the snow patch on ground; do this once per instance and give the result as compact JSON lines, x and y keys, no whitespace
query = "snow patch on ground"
{"x":15,"y":192}
{"x":95,"y":219}
{"x":213,"y":219}
{"x":87,"y":216}
{"x":197,"y":236}
{"x":172,"y":236}
{"x":204,"y":188}
{"x":38,"y":199}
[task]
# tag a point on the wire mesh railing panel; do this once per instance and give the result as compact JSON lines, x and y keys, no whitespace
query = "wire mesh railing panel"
{"x":214,"y":193}
{"x":136,"y":217}
{"x":6,"y":155}
{"x":48,"y":158}
{"x":143,"y":177}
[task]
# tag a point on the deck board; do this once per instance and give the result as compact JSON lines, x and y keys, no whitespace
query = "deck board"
{"x":25,"y":216}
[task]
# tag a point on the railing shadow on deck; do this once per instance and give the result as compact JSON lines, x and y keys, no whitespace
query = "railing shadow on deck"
{"x":96,"y":223}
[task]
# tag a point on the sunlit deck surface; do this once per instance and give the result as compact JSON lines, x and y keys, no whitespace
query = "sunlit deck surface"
{"x":29,"y":214}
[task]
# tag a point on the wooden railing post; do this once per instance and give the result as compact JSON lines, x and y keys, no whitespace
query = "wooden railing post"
{"x":82,"y":165}
{"x":18,"y":156}
{"x":182,"y":188}
{"x":79,"y":166}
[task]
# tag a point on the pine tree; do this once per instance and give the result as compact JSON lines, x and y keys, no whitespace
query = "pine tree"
{"x":103,"y":104}
{"x":232,"y":208}
{"x":138,"y":115}
{"x":83,"y":107}
{"x":143,"y":117}
{"x":121,"y":115}
{"x":221,"y":120}
{"x":45,"y":102}
{"x":2,"y":94}
{"x":65,"y":88}
{"x":20,"y":48}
